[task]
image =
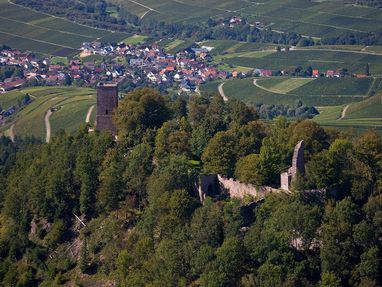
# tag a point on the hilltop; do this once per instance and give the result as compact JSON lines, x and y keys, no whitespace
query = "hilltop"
{"x":89,"y":210}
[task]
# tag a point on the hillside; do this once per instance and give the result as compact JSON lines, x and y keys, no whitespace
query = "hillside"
{"x":26,"y":29}
{"x":312,"y":18}
{"x":355,"y":117}
{"x":70,"y":107}
{"x":88,"y":210}
{"x":329,"y":96}
{"x":283,"y":90}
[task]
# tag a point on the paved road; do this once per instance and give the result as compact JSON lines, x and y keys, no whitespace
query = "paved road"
{"x":47,"y":125}
{"x":221,"y":92}
{"x":88,"y":115}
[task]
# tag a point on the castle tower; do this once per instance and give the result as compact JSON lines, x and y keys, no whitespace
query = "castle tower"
{"x":107,"y":102}
{"x":298,"y":166}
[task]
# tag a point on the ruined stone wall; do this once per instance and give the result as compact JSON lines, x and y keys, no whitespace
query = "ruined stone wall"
{"x":285,"y":179}
{"x":298,"y":161}
{"x":237,"y":189}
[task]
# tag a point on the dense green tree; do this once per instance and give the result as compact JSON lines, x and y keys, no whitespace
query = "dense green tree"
{"x":111,"y":189}
{"x":220,"y":154}
{"x":228,"y":265}
{"x":138,"y":168}
{"x":339,"y":252}
{"x":314,"y":136}
{"x":248,"y":169}
{"x":173,"y":138}
{"x":140,"y":110}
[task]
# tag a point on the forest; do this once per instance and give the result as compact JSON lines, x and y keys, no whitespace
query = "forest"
{"x":88,"y":210}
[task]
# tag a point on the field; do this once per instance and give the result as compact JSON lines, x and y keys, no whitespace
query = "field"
{"x":135,"y":39}
{"x":312,"y":18}
{"x":25,"y":29}
{"x":284,"y":86}
{"x":355,"y":62}
{"x":359,"y":116}
{"x":173,"y":46}
{"x":321,"y":86}
{"x":330,"y":96}
{"x":71,"y":104}
{"x":284,"y":90}
{"x":222,"y":47}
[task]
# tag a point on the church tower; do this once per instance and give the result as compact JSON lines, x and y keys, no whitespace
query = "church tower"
{"x":107,"y":103}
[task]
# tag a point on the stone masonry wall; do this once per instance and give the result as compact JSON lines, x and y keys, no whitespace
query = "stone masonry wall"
{"x":237,"y":189}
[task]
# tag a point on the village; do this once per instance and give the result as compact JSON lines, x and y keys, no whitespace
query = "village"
{"x":129,"y":66}
{"x":136,"y":64}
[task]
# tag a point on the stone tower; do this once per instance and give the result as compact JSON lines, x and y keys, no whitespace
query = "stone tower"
{"x":107,"y":102}
{"x":298,"y":166}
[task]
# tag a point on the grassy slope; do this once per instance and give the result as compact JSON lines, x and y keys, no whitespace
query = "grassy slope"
{"x":335,"y":86}
{"x":313,"y":18}
{"x":26,"y":29}
{"x":322,"y":60}
{"x":30,"y":120}
{"x":284,"y":85}
{"x":72,"y":113}
{"x":321,"y":92}
{"x":359,"y":117}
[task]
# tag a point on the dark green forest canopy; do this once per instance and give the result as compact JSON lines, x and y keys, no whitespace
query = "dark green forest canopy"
{"x":85,"y":210}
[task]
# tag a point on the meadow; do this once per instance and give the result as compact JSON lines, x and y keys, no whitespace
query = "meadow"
{"x":71,"y":103}
{"x":25,"y":29}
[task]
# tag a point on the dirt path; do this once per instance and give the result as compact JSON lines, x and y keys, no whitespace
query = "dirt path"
{"x":88,"y":115}
{"x":11,"y":133}
{"x":343,"y":113}
{"x":144,"y":14}
{"x":47,"y":125}
{"x":221,"y":92}
{"x":263,"y":88}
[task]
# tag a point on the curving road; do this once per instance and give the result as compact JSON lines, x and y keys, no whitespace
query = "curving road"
{"x":343,"y":113}
{"x":47,"y":125}
{"x":221,"y":92}
{"x":11,"y":133}
{"x":88,"y":115}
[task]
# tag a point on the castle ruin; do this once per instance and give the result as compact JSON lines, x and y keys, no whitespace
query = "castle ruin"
{"x":214,"y":184}
{"x":298,"y":166}
{"x":107,"y":102}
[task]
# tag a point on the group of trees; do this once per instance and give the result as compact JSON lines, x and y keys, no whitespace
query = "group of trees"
{"x":7,"y":72}
{"x":128,"y":211}
{"x":297,"y":111}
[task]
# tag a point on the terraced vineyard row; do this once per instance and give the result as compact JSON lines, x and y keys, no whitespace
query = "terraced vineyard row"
{"x":25,"y":29}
